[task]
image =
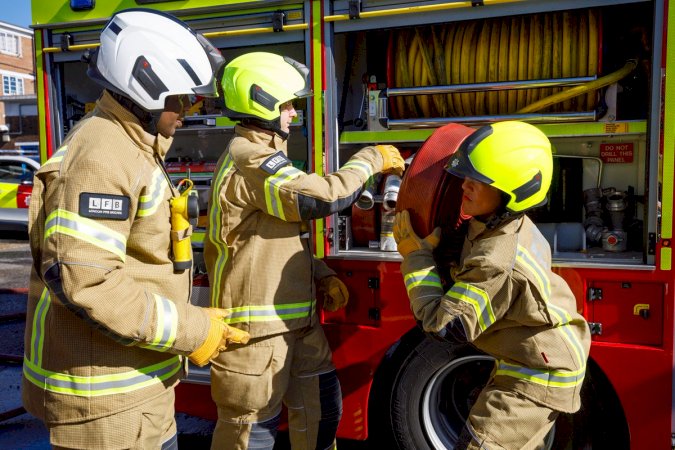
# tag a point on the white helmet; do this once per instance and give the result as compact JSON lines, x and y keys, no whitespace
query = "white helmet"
{"x":147,"y":55}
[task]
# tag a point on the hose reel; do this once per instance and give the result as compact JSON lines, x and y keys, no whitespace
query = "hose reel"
{"x":433,"y":196}
{"x":498,"y":68}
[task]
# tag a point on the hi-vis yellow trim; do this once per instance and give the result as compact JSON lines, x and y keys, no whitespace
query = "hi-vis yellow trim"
{"x":668,"y":165}
{"x":548,"y":378}
{"x":166,"y":325}
{"x":316,"y":135}
{"x":149,"y":202}
{"x":215,"y":230}
{"x":361,"y":166}
{"x":273,"y":185}
{"x":478,"y":299}
{"x":36,"y":336}
{"x":563,"y":318}
{"x":270,"y":313}
{"x":58,"y":155}
{"x":8,"y":192}
{"x":666,"y":258}
{"x":74,"y":225}
{"x":422,"y":278}
{"x":80,"y":385}
{"x":99,"y":385}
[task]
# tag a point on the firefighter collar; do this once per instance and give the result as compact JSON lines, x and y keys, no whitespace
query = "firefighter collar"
{"x":478,"y":229}
{"x":262,"y":137}
{"x":129,"y":122}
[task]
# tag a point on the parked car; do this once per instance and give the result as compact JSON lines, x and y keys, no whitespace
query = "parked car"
{"x":16,"y":187}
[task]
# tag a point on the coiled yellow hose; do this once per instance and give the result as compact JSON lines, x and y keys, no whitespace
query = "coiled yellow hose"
{"x":538,"y":46}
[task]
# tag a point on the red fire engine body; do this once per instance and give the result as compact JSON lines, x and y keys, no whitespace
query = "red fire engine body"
{"x":594,"y":75}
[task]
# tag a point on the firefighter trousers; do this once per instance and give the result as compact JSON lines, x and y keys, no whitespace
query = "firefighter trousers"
{"x":250,"y":382}
{"x":150,"y":425}
{"x":504,"y":420}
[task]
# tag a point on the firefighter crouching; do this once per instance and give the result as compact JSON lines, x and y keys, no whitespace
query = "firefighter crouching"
{"x":109,"y":321}
{"x":504,"y":299}
{"x":261,"y":268}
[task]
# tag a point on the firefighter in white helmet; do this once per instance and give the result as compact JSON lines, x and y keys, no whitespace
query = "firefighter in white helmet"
{"x":504,"y":298}
{"x":261,"y":268}
{"x":109,"y":322}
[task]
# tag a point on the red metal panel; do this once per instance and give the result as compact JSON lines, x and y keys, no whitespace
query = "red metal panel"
{"x":641,"y":377}
{"x":358,"y":349}
{"x":363,"y":308}
{"x":629,"y":312}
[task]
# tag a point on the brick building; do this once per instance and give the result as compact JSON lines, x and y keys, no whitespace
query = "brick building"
{"x":18,"y":105}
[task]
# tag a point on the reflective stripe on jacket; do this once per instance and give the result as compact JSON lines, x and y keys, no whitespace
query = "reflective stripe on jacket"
{"x":108,"y":318}
{"x":506,"y":301}
{"x":260,"y":268}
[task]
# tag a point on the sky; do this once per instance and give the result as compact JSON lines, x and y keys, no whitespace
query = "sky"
{"x":16,"y":12}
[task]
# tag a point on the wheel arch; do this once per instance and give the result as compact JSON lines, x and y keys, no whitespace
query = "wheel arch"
{"x":600,"y":421}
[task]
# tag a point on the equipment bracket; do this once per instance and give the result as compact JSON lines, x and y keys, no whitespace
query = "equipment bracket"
{"x":278,"y":21}
{"x":475,"y":3}
{"x":593,"y":294}
{"x":354,"y":9}
{"x":66,"y":41}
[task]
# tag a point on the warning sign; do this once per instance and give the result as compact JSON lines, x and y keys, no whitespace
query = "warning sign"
{"x":617,"y":153}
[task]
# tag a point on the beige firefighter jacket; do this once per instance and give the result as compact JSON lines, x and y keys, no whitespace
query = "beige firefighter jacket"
{"x":108,"y":318}
{"x":507,"y":302}
{"x":260,"y":265}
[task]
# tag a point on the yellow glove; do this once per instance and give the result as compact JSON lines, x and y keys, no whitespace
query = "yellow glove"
{"x":392,"y":161}
{"x":220,"y":334}
{"x":334,"y":292}
{"x":406,"y":239}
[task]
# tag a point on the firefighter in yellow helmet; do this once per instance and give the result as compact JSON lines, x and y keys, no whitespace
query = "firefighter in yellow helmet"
{"x":504,"y":298}
{"x":261,"y":267}
{"x":109,"y":322}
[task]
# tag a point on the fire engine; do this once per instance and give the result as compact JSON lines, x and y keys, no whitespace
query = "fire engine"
{"x":593,"y":75}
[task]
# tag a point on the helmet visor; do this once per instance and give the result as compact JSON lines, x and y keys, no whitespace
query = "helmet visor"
{"x":217,"y":62}
{"x":460,"y":165}
{"x":304,"y":71}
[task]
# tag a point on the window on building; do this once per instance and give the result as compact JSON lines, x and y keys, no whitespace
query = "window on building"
{"x":12,"y":85}
{"x":9,"y":43}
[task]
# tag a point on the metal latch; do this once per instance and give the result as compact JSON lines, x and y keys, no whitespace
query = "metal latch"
{"x":593,"y":294}
{"x":595,"y":327}
{"x":354,"y":9}
{"x":651,"y":245}
{"x":66,"y":41}
{"x":278,"y":21}
{"x":373,"y":283}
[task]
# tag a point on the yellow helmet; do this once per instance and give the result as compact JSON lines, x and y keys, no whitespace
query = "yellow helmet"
{"x":514,"y":157}
{"x":256,"y":84}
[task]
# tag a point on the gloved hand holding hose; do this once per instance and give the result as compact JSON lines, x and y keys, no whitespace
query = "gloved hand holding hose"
{"x":392,"y":161}
{"x":220,"y":334}
{"x":406,"y":239}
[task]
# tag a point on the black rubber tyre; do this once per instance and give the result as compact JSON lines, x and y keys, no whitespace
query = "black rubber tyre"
{"x":433,"y":384}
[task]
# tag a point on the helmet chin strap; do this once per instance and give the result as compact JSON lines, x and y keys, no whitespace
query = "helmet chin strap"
{"x":148,"y":119}
{"x":501,"y":215}
{"x":272,"y":125}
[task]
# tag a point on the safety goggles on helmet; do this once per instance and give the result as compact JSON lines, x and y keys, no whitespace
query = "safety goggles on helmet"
{"x":514,"y":157}
{"x":147,"y":55}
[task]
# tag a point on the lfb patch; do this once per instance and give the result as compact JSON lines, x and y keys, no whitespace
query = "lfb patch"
{"x":104,"y":206}
{"x":275,"y":162}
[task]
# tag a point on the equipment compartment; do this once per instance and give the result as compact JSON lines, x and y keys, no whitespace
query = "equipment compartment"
{"x":397,"y":83}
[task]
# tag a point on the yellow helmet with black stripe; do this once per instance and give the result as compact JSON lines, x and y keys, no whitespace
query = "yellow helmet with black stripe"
{"x":514,"y":157}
